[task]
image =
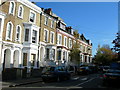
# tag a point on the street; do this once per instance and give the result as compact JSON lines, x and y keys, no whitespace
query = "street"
{"x":79,"y":82}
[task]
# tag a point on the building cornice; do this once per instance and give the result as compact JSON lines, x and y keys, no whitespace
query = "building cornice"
{"x":30,"y":5}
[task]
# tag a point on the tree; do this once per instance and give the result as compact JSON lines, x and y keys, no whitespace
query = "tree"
{"x":75,"y":54}
{"x":104,"y":55}
{"x":116,"y":47}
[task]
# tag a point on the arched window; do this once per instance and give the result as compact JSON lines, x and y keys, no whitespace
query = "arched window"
{"x":12,"y":8}
{"x":9,"y":30}
{"x":18,"y":30}
{"x":20,"y":11}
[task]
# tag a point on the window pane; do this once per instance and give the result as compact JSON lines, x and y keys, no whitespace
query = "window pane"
{"x":20,"y":12}
{"x":52,"y":37}
{"x":32,"y":17}
{"x":64,"y":55}
{"x":59,"y":55}
{"x":53,"y":54}
{"x":24,"y":59}
{"x":47,"y":53}
{"x":9,"y":30}
{"x":46,"y":33}
{"x":52,"y":23}
{"x":26,"y":34}
{"x":32,"y":59}
{"x":12,"y":7}
{"x":59,"y":39}
{"x":34,"y":36}
{"x":46,"y":20}
{"x":18,"y":33}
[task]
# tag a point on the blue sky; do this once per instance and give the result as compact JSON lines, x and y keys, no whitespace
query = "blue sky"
{"x":98,"y":21}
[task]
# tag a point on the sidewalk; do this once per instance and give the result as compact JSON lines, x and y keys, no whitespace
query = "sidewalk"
{"x":13,"y":83}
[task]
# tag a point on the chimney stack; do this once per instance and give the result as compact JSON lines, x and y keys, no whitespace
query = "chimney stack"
{"x":48,"y":11}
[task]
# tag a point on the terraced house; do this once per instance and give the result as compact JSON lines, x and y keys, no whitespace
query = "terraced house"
{"x":20,"y":34}
{"x":34,"y":37}
{"x":48,"y":37}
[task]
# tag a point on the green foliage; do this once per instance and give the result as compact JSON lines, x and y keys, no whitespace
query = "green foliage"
{"x":75,"y":54}
{"x":104,"y":55}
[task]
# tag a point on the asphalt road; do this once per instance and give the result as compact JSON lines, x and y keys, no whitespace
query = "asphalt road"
{"x":80,"y":82}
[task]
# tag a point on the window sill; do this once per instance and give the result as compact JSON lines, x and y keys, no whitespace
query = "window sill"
{"x":20,"y":17}
{"x":8,"y":39}
{"x":46,"y":24}
{"x":32,"y":22}
{"x":11,"y":14}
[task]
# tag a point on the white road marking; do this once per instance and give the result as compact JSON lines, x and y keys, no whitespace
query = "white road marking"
{"x":84,"y":79}
{"x":75,"y":78}
{"x":85,"y":82}
{"x":73,"y":87}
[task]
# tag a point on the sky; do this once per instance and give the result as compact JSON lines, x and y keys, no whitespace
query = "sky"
{"x":98,"y":21}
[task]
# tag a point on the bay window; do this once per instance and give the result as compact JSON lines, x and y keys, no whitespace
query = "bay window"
{"x":26,"y":34}
{"x":59,"y":54}
{"x":34,"y":36}
{"x":65,"y":41}
{"x":59,"y":39}
{"x":46,"y":35}
{"x":52,"y":37}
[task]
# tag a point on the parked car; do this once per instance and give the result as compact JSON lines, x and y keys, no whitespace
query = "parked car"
{"x":83,"y":70}
{"x":105,"y":68}
{"x":93,"y":69}
{"x":55,"y":73}
{"x":100,"y":68}
{"x":111,"y":76}
{"x":71,"y":69}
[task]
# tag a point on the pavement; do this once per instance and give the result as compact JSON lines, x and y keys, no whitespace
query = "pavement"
{"x":14,"y":83}
{"x":19,"y":82}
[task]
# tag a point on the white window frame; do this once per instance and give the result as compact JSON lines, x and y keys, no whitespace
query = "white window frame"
{"x":52,"y":24}
{"x":20,"y":6}
{"x":25,"y":35}
{"x":70,"y":43}
{"x":65,"y":41}
{"x":19,"y":33}
{"x":62,"y":26}
{"x":11,"y":31}
{"x":59,"y":35}
{"x":47,"y":20}
{"x":10,"y":7}
{"x":47,"y":34}
{"x":34,"y":18}
{"x":36,"y":35}
{"x":51,"y":37}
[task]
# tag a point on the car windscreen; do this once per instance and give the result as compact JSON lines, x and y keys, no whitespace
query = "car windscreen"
{"x":60,"y":68}
{"x":46,"y":69}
